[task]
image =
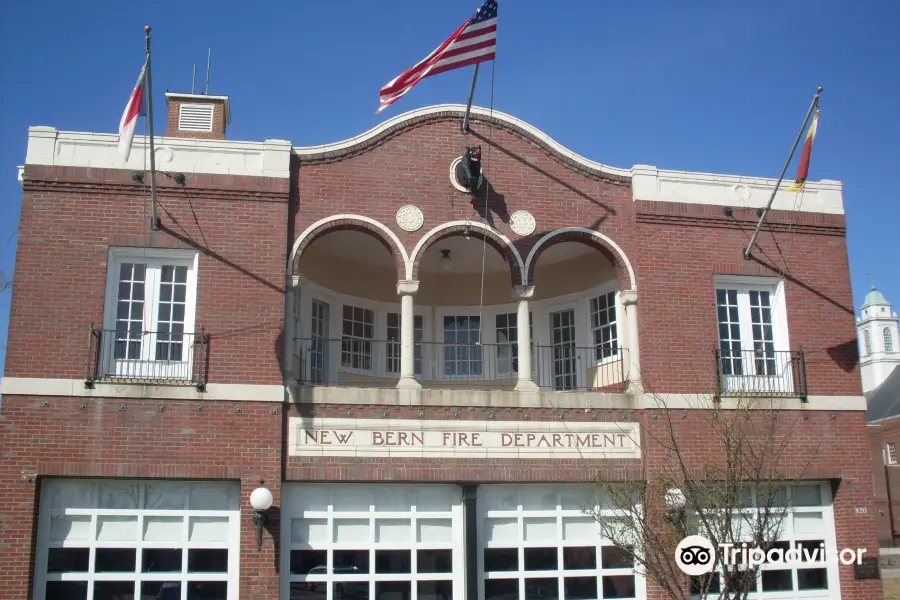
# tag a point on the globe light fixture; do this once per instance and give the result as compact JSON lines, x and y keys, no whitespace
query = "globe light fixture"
{"x":261,"y":500}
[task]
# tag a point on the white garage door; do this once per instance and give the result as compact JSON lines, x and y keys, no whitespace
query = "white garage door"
{"x":537,"y":544}
{"x":384,"y":542}
{"x":151,"y":540}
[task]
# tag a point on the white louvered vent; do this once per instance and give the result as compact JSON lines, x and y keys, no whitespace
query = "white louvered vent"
{"x":195,"y":117}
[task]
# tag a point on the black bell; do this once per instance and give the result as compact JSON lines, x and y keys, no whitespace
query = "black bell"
{"x":468,"y":171}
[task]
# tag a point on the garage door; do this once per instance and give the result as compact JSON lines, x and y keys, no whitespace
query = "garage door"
{"x":116,"y":539}
{"x":384,"y":542}
{"x":537,"y":544}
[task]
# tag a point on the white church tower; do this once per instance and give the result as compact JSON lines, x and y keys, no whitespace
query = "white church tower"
{"x":878,"y":340}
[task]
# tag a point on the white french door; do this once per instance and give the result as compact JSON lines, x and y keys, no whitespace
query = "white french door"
{"x":150,"y":328}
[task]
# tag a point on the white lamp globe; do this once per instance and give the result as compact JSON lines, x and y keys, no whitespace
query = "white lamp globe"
{"x":675,"y":498}
{"x":261,"y":499}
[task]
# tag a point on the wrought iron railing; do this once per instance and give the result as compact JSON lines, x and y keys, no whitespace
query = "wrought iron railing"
{"x":564,"y":367}
{"x":158,"y":357}
{"x":761,"y":372}
{"x":376,"y":363}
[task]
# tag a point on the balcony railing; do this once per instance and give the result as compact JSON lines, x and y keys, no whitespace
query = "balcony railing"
{"x":761,"y":372}
{"x":352,"y":361}
{"x":154,"y":357}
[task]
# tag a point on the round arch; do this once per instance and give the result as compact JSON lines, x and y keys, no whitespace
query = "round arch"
{"x":581,"y":234}
{"x":357,"y":223}
{"x":494,"y":238}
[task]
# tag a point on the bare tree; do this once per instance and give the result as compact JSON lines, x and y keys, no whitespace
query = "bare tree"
{"x":721,"y":469}
{"x":5,"y":283}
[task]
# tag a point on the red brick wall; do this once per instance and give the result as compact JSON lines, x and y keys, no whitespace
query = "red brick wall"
{"x":881,"y":434}
{"x":675,"y":249}
{"x":63,"y":438}
{"x":218,"y":128}
{"x":70,"y":218}
{"x":142,"y":441}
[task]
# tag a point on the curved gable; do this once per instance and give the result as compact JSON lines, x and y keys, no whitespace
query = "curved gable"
{"x":453,"y":112}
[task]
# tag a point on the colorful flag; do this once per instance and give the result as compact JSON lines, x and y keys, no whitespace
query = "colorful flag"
{"x":133,"y":110}
{"x":803,"y":168}
{"x":474,"y":42}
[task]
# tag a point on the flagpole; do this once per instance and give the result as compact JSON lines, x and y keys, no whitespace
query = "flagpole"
{"x":465,"y":124}
{"x":815,"y":102}
{"x":154,"y":220}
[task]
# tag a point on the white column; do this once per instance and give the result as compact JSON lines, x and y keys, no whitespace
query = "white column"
{"x":632,"y":349}
{"x":407,"y":290}
{"x":523,"y":332}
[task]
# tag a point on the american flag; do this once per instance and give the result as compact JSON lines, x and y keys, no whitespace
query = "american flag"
{"x":474,"y":42}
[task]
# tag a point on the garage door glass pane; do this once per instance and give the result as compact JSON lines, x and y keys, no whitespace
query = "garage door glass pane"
{"x":128,"y":551}
{"x":372,"y":541}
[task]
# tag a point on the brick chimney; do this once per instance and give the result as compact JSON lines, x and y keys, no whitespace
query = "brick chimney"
{"x":197,"y":116}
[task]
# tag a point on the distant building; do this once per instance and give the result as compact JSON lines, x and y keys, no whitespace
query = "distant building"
{"x":879,"y":346}
{"x":879,"y":357}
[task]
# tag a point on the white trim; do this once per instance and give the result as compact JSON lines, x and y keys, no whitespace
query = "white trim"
{"x":236,"y":392}
{"x":471,"y":224}
{"x":271,"y":158}
{"x":597,"y":235}
{"x":393,"y":236}
{"x":347,"y":395}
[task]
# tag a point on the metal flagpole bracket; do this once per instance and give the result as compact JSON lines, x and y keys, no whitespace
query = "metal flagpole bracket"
{"x":765,"y":211}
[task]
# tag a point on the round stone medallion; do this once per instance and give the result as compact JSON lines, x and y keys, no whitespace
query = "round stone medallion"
{"x":522,"y":222}
{"x":410,"y":218}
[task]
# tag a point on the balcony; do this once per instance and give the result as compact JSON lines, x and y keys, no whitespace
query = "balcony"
{"x":358,"y":362}
{"x":148,"y":357}
{"x":761,"y":372}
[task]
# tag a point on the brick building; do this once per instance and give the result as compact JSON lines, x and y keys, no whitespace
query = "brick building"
{"x":338,"y":324}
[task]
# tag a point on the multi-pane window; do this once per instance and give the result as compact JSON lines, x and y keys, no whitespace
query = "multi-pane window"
{"x":392,"y":360}
{"x":892,"y":454}
{"x":462,"y":349}
{"x":108,"y":539}
{"x":319,"y":344}
{"x":888,"y":340}
{"x":148,"y":330}
{"x":357,"y":541}
{"x":538,"y":543}
{"x":506,"y":326}
{"x":603,"y":325}
{"x":746,"y":331}
{"x":358,"y":334}
{"x":806,"y":526}
{"x":867,"y":342}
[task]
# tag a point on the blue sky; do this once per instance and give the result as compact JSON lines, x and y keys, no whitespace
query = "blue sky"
{"x":703,"y":85}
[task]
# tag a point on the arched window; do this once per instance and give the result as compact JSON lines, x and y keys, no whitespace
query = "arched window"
{"x":867,"y":341}
{"x":888,"y":340}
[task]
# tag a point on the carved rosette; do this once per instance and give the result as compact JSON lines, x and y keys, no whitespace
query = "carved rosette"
{"x":522,"y":223}
{"x":410,"y":218}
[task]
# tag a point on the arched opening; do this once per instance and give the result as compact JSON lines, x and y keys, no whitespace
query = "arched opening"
{"x":578,"y":319}
{"x":466,"y":276}
{"x":346,"y":309}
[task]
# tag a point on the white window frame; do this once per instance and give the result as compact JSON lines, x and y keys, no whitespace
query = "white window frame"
{"x":887,"y":339}
{"x":891,"y":453}
{"x":867,"y":343}
{"x":783,"y":380}
{"x":94,"y":514}
{"x":152,"y":258}
{"x":296,"y":505}
{"x":789,"y":534}
{"x":377,"y":349}
{"x":393,"y":308}
{"x":603,"y":290}
{"x":520,"y":514}
{"x":488,"y":358}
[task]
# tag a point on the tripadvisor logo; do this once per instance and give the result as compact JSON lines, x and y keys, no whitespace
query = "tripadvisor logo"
{"x":695,"y":555}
